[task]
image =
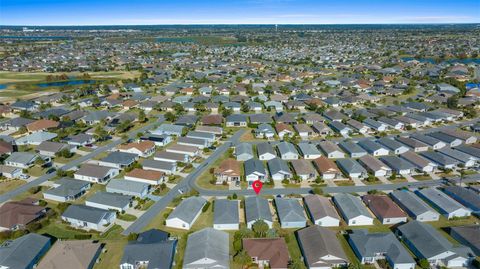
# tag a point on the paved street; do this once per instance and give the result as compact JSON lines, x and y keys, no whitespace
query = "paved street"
{"x":132,"y":134}
{"x":184,"y":185}
{"x":339,"y":189}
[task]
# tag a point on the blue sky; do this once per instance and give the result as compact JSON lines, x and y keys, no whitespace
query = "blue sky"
{"x":131,"y":12}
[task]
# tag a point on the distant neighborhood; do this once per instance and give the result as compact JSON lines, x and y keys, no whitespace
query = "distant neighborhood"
{"x":130,"y":155}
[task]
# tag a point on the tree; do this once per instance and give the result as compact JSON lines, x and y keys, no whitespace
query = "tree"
{"x":260,"y":228}
{"x":141,"y":116}
{"x":242,"y":258}
{"x":424,"y":263}
{"x":452,"y":102}
{"x":296,"y":264}
{"x":169,"y":116}
{"x":101,"y":133}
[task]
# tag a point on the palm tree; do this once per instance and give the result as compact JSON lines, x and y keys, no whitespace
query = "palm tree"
{"x":242,"y":258}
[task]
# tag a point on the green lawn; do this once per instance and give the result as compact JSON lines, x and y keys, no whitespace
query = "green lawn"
{"x":8,"y":185}
{"x":126,"y":217}
{"x":66,"y":160}
{"x":112,"y":255}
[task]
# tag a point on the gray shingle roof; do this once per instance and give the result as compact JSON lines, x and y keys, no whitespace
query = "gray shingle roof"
{"x":351,"y":206}
{"x":257,"y":208}
{"x":318,"y":242}
{"x":369,"y":244}
{"x":414,"y":204}
{"x":428,"y":241}
{"x":289,"y":210}
{"x":123,"y":158}
{"x":277,"y":165}
{"x":188,"y":209}
{"x":20,"y":252}
{"x":86,"y":213}
{"x":440,"y":199}
{"x":226,"y":212}
{"x":204,"y":245}
{"x":110,"y":199}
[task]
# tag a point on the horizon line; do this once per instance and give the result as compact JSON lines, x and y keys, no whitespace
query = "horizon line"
{"x":237,"y":24}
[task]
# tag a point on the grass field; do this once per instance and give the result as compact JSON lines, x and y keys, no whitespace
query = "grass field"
{"x":9,"y":185}
{"x":15,"y":77}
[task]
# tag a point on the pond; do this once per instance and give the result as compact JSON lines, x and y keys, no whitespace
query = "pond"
{"x":65,"y":83}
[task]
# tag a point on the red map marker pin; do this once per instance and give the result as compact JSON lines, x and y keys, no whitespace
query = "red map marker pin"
{"x":257,"y":186}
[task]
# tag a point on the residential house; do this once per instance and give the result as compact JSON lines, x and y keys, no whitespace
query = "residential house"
{"x":465,"y":196}
{"x":50,"y":149}
{"x":143,"y":149}
{"x":182,"y":149}
{"x":279,"y":169}
{"x":415,"y":145}
{"x":151,"y":249}
{"x":254,"y":170}
{"x":271,"y":252}
{"x":354,"y":150}
{"x":394,"y":146}
{"x":236,"y":120}
{"x":385,"y":209}
{"x":265,"y":151}
{"x":287,"y":151}
{"x":225,"y":215}
{"x":24,"y":252}
{"x":309,"y":151}
{"x":373,"y":148}
{"x":165,"y":156}
{"x":467,"y":236}
{"x":22,"y":160}
{"x":326,"y":168}
{"x":95,"y":173}
{"x":128,"y":187}
{"x":35,"y":139}
{"x":283,"y":130}
{"x":449,"y":140}
{"x":321,"y":211}
{"x":290,"y":213}
{"x":434,"y":143}
{"x":109,"y":201}
{"x":118,"y":160}
{"x":89,"y":218}
{"x":352,"y":210}
{"x":370,"y":247}
{"x":414,"y":206}
{"x":186,"y":213}
{"x":303,"y":169}
{"x":398,"y":165}
{"x":150,"y":177}
{"x":304,"y":131}
{"x":320,"y":248}
{"x":65,"y":190}
{"x":351,"y":168}
{"x":421,"y":164}
{"x":331,"y":150}
{"x":257,"y":209}
{"x":72,"y":254}
{"x":228,"y":171}
{"x":427,"y":243}
{"x":16,"y":215}
{"x":441,"y":160}
{"x":373,"y":165}
{"x":244,"y":151}
{"x":207,"y":248}
{"x":264,"y":130}
{"x":447,"y":206}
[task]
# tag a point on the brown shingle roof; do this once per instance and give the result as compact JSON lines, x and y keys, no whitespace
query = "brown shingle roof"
{"x":19,"y":213}
{"x":383,"y":207}
{"x":141,"y":146}
{"x":212,"y":120}
{"x":229,"y":167}
{"x":325,"y":165}
{"x":41,"y":125}
{"x":273,"y":250}
{"x":145,"y":174}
